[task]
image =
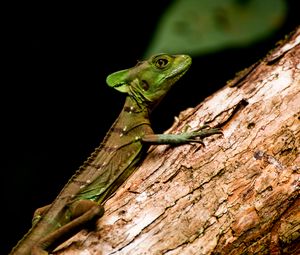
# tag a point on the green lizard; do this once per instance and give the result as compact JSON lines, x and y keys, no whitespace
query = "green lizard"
{"x":81,"y":200}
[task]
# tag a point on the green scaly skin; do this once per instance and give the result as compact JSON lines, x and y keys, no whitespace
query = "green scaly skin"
{"x":115,"y":159}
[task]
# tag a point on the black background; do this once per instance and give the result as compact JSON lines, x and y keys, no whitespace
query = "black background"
{"x":55,"y":106}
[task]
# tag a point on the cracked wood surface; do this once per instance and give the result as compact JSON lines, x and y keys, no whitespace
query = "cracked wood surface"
{"x":237,"y":195}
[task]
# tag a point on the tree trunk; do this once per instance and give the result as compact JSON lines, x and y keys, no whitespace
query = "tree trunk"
{"x":237,"y":195}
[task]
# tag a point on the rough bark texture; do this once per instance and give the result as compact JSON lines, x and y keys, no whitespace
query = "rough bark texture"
{"x":237,"y":195}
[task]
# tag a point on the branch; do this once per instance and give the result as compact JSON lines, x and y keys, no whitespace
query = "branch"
{"x":237,"y":195}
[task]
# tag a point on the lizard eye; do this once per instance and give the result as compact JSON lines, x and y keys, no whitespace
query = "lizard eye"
{"x":161,"y":63}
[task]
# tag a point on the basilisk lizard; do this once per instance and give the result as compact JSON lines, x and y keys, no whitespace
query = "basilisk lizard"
{"x":81,"y":200}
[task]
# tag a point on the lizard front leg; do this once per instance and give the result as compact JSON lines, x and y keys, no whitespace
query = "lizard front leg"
{"x":82,"y":211}
{"x":184,"y":137}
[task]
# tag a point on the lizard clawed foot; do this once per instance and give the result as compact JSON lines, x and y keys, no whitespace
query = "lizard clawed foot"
{"x":197,"y":135}
{"x":187,"y":128}
{"x":38,"y":214}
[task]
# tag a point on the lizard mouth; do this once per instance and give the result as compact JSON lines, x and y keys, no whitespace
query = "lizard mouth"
{"x":182,"y":69}
{"x":177,"y":74}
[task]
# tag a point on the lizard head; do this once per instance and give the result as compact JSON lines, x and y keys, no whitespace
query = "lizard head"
{"x":150,"y":80}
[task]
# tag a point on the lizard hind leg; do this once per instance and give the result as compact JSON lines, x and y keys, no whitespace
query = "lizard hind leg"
{"x":80,"y":207}
{"x":83,"y":212}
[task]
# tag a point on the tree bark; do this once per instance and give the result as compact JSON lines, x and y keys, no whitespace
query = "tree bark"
{"x":237,"y":195}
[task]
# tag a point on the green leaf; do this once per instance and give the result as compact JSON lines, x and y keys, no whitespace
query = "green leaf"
{"x":202,"y":26}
